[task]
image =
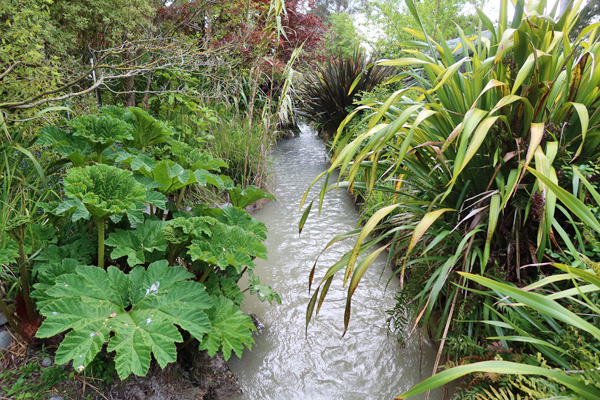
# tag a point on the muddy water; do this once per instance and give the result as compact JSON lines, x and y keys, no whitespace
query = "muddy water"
{"x":284,"y":363}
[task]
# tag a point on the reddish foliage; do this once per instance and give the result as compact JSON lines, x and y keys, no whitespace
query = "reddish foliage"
{"x":223,"y":24}
{"x":303,"y":27}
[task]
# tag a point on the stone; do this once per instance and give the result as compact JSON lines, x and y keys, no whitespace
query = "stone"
{"x":260,"y":327}
{"x":46,"y":362}
{"x":56,"y":398}
{"x":3,"y":320}
{"x":6,"y":339}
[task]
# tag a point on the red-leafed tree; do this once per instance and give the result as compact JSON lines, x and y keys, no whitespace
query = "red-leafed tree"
{"x":238,"y":29}
{"x":303,"y":26}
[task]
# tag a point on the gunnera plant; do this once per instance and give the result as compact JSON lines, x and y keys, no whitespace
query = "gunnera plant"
{"x":104,"y":191}
{"x":325,"y":95}
{"x":101,"y":132}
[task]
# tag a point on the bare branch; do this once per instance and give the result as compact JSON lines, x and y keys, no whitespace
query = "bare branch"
{"x":2,"y":75}
{"x":63,"y":97}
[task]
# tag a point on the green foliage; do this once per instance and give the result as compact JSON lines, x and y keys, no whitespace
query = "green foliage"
{"x":263,"y":292}
{"x":146,"y":130}
{"x":345,"y":39}
{"x":47,"y":275}
{"x":226,"y":286}
{"x":110,"y":22}
{"x":462,"y":197}
{"x":441,"y":19}
{"x":135,"y":313}
{"x":228,"y":245}
{"x":100,"y":132}
{"x":104,"y":190}
{"x":75,"y":148}
{"x":25,"y":32}
{"x":235,"y":216}
{"x":470,"y":162}
{"x":30,"y":381}
{"x":569,"y":313}
{"x":135,"y":244}
{"x":231,"y":329}
{"x":243,"y":146}
{"x":244,"y":197}
{"x":171,"y":176}
{"x":182,"y":230}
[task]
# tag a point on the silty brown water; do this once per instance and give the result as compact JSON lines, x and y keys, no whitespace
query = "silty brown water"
{"x":284,"y":363}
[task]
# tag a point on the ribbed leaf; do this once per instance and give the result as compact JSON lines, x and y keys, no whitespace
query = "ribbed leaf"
{"x":231,"y":329}
{"x":135,"y":244}
{"x":136,"y":314}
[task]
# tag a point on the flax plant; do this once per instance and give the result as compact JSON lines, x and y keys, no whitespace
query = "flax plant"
{"x":460,"y":159}
{"x":565,"y":303}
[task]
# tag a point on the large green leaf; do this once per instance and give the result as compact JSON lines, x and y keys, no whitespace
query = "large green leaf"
{"x":183,"y":230}
{"x":171,"y":176}
{"x":231,"y":329}
{"x":134,"y":244}
{"x":100,"y":131}
{"x":237,"y":217}
{"x":244,"y":197}
{"x":146,"y":130}
{"x":135,"y":313}
{"x":47,"y":274}
{"x":103,"y":189}
{"x":70,"y":146}
{"x":228,"y":245}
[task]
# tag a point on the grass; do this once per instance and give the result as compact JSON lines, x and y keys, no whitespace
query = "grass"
{"x":23,"y":376}
{"x":244,"y":149}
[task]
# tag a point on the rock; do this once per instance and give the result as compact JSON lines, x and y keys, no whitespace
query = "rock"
{"x":46,"y":362}
{"x":260,"y":327}
{"x":6,"y":339}
{"x":56,"y":398}
{"x":3,"y":320}
{"x":257,"y":205}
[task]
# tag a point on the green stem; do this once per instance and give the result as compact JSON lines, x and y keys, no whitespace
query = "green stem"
{"x":99,"y":153}
{"x":9,"y":317}
{"x":180,"y":198}
{"x":173,"y":252}
{"x":25,"y":282}
{"x":205,"y":275}
{"x":100,"y":224}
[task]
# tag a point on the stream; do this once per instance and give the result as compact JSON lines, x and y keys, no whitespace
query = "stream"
{"x":366,"y":363}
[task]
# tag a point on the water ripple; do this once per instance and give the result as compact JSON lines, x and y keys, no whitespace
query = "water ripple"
{"x":284,"y":363}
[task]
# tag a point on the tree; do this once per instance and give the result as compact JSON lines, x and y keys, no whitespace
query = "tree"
{"x":443,"y":16}
{"x":324,"y":8}
{"x":47,"y":45}
{"x":343,"y":36}
{"x":588,"y":15}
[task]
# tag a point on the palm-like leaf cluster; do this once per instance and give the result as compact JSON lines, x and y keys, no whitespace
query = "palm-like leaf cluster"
{"x":327,"y":92}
